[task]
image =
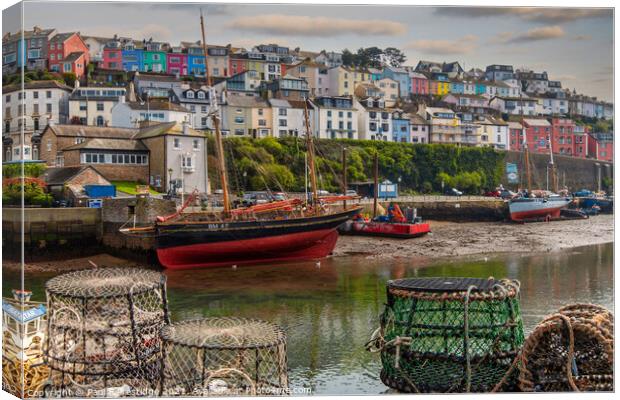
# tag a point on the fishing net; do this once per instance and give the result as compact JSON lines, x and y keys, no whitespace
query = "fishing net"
{"x":571,"y":350}
{"x":224,"y":357}
{"x":449,"y":334}
{"x":104,"y":332}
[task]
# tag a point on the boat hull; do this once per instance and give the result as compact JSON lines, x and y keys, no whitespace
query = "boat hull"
{"x":240,"y":243}
{"x":387,"y":229}
{"x":536,"y":208}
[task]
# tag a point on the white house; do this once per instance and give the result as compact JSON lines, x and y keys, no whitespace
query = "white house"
{"x":513,"y":105}
{"x":195,"y":98}
{"x":389,"y":90}
{"x":288,"y":117}
{"x":420,"y":129}
{"x":40,"y":103}
{"x":374,"y":120}
{"x":92,"y":105}
{"x":334,"y":117}
{"x":131,"y":113}
{"x":493,"y":132}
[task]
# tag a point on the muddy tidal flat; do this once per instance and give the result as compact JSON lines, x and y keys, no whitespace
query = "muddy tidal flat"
{"x":470,"y":238}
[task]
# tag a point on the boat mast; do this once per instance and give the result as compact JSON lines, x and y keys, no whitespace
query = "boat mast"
{"x":525,"y":149}
{"x":376,"y":188}
{"x":310,"y":152}
{"x":344,"y":177}
{"x":216,"y":124}
{"x":554,"y":180}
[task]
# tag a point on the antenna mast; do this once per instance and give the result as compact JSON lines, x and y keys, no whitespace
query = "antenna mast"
{"x":310,"y":152}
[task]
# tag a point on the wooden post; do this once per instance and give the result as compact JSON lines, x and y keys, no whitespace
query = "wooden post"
{"x":344,"y":177}
{"x":376,"y":188}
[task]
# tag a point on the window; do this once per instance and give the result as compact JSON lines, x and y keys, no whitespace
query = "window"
{"x":156,"y":57}
{"x":372,"y":126}
{"x":203,"y":109}
{"x":189,"y":94}
{"x":99,"y":106}
{"x":52,"y":56}
{"x":341,"y":125}
{"x":99,"y":120}
{"x":192,"y":108}
{"x":349,"y":125}
{"x":340,"y":114}
{"x":48,"y":94}
{"x":35,"y":95}
{"x":329,"y":124}
{"x":239,"y":120}
{"x":262,"y":122}
{"x":177,"y":143}
{"x":282,"y":111}
{"x":48,"y":107}
{"x":329,"y":113}
{"x":7,"y":127}
{"x":201,"y":95}
{"x":36,"y":123}
{"x":349,"y":114}
{"x":196,"y":144}
{"x":385,"y":127}
{"x":203,"y":121}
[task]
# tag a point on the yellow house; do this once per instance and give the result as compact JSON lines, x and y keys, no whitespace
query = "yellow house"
{"x":244,"y":115}
{"x":343,"y":80}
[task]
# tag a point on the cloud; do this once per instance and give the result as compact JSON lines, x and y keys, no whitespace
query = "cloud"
{"x":278,"y":24}
{"x":564,"y":78}
{"x":537,"y":34}
{"x":546,"y":15}
{"x":502,"y":37}
{"x":582,"y":37}
{"x":463,"y":45}
{"x":248,"y":43}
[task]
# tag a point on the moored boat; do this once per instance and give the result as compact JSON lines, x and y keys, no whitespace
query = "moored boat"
{"x":395,"y":224}
{"x":533,"y":208}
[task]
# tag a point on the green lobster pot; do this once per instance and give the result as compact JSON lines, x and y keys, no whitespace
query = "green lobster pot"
{"x":450,"y":334}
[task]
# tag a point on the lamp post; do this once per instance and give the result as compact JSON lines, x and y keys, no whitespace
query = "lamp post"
{"x":170,"y":180}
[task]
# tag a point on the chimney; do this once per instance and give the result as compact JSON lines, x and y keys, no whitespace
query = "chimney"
{"x":224,"y":96}
{"x":77,"y":83}
{"x":131,"y":94}
{"x":185,"y":128}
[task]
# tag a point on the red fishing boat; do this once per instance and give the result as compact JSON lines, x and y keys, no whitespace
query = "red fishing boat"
{"x":394,"y":224}
{"x":285,"y":230}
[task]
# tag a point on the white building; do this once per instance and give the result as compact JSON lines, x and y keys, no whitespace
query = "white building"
{"x":95,"y":47}
{"x":420,"y":129}
{"x":493,"y":132}
{"x":40,"y":103}
{"x":513,"y":105}
{"x":131,"y":113}
{"x":195,"y":98}
{"x":335,"y":117}
{"x":374,"y":120}
{"x":92,"y":105}
{"x":329,"y":58}
{"x":288,"y":117}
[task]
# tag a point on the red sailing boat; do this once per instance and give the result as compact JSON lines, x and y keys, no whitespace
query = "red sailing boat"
{"x":285,"y":230}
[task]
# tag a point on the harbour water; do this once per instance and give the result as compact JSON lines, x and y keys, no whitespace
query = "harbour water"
{"x":330,"y":310}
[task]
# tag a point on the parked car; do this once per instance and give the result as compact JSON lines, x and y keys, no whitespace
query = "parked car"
{"x":493,"y":193}
{"x":218,"y":191}
{"x":453,"y":192}
{"x":351,"y":192}
{"x":279,"y":196}
{"x":583,"y":193}
{"x":507,"y":194}
{"x":322,"y":192}
{"x":254,"y":198}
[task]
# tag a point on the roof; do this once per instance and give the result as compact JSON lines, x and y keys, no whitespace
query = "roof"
{"x":514,"y":125}
{"x":246,"y":101}
{"x":417,"y":75}
{"x":469,"y":96}
{"x":73,"y":56}
{"x":537,"y":122}
{"x":489,"y":120}
{"x":109,"y":144}
{"x":167,"y":128}
{"x":279,"y":103}
{"x":154,"y":76}
{"x":27,"y":34}
{"x":416,"y":119}
{"x":92,"y":131}
{"x":60,"y":175}
{"x":61,"y":37}
{"x":298,"y":104}
{"x":36,"y":85}
{"x":156,"y":104}
{"x":432,"y":110}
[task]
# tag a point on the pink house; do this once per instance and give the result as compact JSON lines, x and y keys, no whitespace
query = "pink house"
{"x":113,"y":55}
{"x":419,"y":84}
{"x":176,"y":62}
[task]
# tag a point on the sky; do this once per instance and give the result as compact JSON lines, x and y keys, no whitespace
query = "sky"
{"x":573,"y":45}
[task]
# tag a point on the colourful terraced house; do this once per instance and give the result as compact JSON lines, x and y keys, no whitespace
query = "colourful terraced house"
{"x":154,"y":59}
{"x":133,"y":57}
{"x":113,"y":55}
{"x":480,"y":88}
{"x":457,"y":87}
{"x":176,"y":62}
{"x":401,"y":76}
{"x":419,"y":83}
{"x":439,"y":84}
{"x":195,"y":58}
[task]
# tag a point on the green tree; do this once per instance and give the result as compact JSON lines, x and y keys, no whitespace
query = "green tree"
{"x":394,"y":57}
{"x":69,"y":78}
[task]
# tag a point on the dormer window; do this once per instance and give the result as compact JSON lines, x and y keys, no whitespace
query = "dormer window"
{"x":201,"y":95}
{"x":189,"y":94}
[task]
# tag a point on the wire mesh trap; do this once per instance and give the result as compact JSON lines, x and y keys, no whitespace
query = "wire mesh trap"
{"x":571,"y":350}
{"x":104,"y":332}
{"x":224,"y":356}
{"x":449,"y":334}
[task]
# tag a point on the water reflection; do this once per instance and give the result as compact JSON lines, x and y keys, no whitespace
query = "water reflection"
{"x":330,"y":310}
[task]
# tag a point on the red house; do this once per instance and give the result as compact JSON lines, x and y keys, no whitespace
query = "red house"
{"x":601,"y":146}
{"x":564,"y":138}
{"x":113,"y":56}
{"x":238,"y":63}
{"x":67,"y":52}
{"x":537,"y":135}
{"x":176,"y":62}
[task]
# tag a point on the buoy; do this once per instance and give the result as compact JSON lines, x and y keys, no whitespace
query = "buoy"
{"x":234,"y":266}
{"x":318,"y":264}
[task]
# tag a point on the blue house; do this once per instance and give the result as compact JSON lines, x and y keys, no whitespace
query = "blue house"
{"x":481,"y":88}
{"x":400,"y":127}
{"x":133,"y":58}
{"x":457,"y":87}
{"x":195,"y":59}
{"x":401,"y":76}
